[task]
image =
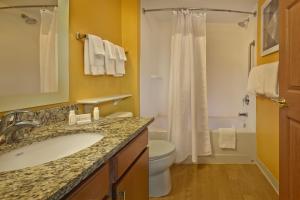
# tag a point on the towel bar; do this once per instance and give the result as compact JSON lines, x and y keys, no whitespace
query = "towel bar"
{"x":80,"y":36}
{"x":281,"y":101}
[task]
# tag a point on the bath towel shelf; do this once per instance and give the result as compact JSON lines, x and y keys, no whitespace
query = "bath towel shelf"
{"x":90,"y":103}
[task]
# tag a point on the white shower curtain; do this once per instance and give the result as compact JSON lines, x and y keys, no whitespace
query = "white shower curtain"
{"x":188,"y":118}
{"x":48,"y":52}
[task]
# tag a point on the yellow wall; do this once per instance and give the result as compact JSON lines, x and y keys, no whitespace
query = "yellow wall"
{"x":267,"y":115}
{"x":104,"y":18}
{"x":114,"y":20}
{"x":130,"y":11}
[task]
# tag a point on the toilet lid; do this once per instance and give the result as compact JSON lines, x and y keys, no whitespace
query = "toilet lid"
{"x":160,"y":148}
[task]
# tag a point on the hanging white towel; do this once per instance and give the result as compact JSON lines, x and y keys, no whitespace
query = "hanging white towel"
{"x":271,"y":88}
{"x":120,"y":61}
{"x":227,"y":138}
{"x":110,"y":58}
{"x":94,"y":55}
{"x":256,"y":81}
{"x":97,"y":57}
{"x":87,"y":65}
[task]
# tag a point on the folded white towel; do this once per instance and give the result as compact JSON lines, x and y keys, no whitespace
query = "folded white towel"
{"x":121,"y":53}
{"x":256,"y":81}
{"x":97,"y":55}
{"x":94,"y":55}
{"x":110,"y":58}
{"x":87,"y":65}
{"x":120,"y":61}
{"x":227,"y":138}
{"x":271,"y":88}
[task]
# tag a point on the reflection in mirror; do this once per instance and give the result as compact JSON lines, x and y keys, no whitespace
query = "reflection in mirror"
{"x":28,"y":47}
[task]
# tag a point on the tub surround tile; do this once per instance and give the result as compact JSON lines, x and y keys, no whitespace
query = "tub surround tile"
{"x":55,"y":179}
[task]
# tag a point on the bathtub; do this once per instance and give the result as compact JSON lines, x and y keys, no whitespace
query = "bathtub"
{"x":245,"y":153}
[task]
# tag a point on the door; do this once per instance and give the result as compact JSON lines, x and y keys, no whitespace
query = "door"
{"x":134,"y":185}
{"x":290,"y":91}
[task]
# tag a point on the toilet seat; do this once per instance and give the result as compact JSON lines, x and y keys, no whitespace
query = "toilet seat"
{"x":159,"y":149}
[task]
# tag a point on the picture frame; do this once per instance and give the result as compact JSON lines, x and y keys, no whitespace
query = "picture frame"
{"x":269,"y":27}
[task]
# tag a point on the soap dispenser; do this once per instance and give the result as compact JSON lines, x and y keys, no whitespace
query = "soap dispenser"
{"x":96,"y":114}
{"x":72,"y":117}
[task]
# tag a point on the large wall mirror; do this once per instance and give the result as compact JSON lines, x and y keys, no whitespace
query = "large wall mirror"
{"x":33,"y":53}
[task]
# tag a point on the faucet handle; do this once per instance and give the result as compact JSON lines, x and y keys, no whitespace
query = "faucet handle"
{"x":10,"y":117}
{"x":33,"y":123}
{"x":14,"y":113}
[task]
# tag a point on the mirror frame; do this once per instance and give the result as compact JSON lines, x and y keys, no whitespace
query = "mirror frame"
{"x":26,"y":101}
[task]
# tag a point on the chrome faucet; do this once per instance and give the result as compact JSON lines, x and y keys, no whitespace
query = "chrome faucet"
{"x":10,"y":125}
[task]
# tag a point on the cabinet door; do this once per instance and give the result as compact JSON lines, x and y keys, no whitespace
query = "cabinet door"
{"x":96,"y":187}
{"x":134,"y":185}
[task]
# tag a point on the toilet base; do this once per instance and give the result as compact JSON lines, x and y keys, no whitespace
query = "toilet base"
{"x":160,"y":184}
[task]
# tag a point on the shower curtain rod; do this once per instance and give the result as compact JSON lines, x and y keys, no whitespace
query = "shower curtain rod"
{"x":199,"y":9}
{"x":28,"y":6}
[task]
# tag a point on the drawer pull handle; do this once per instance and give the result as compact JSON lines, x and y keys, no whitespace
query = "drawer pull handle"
{"x":122,"y":195}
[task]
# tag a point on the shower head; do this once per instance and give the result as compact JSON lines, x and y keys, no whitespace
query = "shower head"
{"x":28,"y":20}
{"x":244,"y":24}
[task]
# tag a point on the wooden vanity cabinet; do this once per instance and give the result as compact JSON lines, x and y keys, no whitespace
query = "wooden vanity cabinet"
{"x":124,"y":177}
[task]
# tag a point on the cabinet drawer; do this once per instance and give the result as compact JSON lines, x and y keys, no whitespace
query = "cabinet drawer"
{"x":95,"y":187}
{"x":125,"y":158}
{"x":134,"y":185}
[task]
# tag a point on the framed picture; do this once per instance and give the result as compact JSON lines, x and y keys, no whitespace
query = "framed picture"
{"x":269,"y":27}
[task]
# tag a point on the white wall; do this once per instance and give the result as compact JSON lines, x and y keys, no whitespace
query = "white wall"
{"x":227,"y":70}
{"x":155,"y":55}
{"x":227,"y":67}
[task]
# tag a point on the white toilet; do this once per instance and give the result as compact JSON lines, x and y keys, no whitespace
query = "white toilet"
{"x":162,"y":156}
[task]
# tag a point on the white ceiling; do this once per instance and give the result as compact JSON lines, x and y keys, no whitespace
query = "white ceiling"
{"x":213,"y":17}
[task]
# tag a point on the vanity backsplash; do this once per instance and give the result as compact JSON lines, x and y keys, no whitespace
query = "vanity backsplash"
{"x":50,"y":115}
{"x":45,"y":117}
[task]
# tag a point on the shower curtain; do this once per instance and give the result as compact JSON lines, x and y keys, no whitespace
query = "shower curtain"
{"x":188,"y":117}
{"x":48,"y":52}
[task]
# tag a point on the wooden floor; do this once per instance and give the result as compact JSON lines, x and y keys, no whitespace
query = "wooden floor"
{"x":219,"y":182}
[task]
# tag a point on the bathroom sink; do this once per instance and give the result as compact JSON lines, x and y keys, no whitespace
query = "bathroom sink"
{"x":47,"y":150}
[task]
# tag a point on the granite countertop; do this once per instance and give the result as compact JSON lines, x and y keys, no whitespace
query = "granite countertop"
{"x":55,"y":179}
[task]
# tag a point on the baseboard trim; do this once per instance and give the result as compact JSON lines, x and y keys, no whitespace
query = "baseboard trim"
{"x":222,"y":159}
{"x":269,"y":176}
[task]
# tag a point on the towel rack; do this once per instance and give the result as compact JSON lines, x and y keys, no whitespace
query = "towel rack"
{"x":281,"y":101}
{"x":80,"y":36}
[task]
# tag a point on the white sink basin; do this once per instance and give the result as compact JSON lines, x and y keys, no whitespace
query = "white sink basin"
{"x":46,"y":151}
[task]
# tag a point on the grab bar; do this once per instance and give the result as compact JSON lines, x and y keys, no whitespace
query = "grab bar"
{"x":252,"y":44}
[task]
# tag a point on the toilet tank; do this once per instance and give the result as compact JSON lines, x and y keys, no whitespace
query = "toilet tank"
{"x":120,"y":114}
